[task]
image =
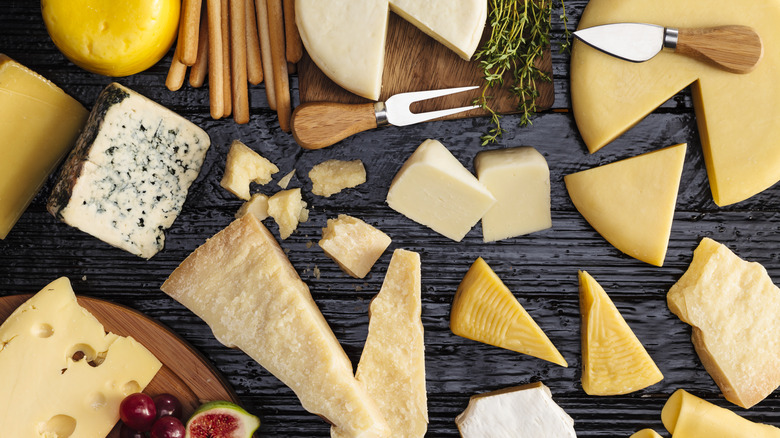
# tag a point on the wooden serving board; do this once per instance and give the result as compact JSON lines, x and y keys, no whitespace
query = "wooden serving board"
{"x":416,"y":62}
{"x":185,"y":373}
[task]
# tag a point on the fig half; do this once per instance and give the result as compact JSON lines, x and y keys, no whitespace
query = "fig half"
{"x":221,"y":419}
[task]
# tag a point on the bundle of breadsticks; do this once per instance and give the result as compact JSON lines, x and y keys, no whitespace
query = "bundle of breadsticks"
{"x":235,"y":42}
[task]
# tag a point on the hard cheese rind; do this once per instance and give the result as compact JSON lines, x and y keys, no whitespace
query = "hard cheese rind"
{"x":631,"y":202}
{"x":126,"y":180}
{"x":43,"y":389}
{"x":734,"y":309}
{"x":609,"y":95}
{"x":241,"y":283}
{"x":353,"y":244}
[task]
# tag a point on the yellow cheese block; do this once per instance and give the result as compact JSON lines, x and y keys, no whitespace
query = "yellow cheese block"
{"x":47,"y":389}
{"x":485,"y":310}
{"x":645,"y":433}
{"x":288,"y":209}
{"x":353,"y":244}
{"x":736,"y":114}
{"x":39,"y":124}
{"x":243,"y":166}
{"x":242,"y":284}
{"x":112,"y":38}
{"x":613,"y":360}
{"x":687,"y":416}
{"x":631,"y":202}
{"x":734,"y":309}
{"x":392,"y":366}
{"x":256,"y":205}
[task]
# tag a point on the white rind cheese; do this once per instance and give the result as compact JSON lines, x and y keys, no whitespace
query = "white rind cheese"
{"x":128,"y":177}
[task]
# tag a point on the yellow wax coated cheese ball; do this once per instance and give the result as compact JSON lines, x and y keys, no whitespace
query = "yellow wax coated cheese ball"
{"x":112,"y":38}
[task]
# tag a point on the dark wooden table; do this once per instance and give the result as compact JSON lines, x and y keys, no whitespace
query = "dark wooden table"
{"x":541,"y":269}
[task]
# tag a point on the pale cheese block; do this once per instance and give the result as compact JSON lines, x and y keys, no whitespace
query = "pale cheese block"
{"x":243,"y":286}
{"x":434,"y":189}
{"x":353,"y":244}
{"x":516,"y":412}
{"x":737,"y":114}
{"x":392,"y":366}
{"x":686,"y":416}
{"x":519,"y":179}
{"x":631,"y":202}
{"x":256,"y":205}
{"x":645,"y":433}
{"x":46,"y":390}
{"x":332,"y":176}
{"x":243,"y":166}
{"x":734,"y":309}
{"x":288,"y":209}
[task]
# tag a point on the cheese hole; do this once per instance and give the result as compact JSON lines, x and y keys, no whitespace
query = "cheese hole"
{"x":96,"y":400}
{"x":82,"y":351}
{"x":130,"y":387}
{"x":59,"y":426}
{"x":42,"y":330}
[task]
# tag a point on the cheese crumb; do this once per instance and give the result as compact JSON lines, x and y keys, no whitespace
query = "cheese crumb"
{"x":287,"y":208}
{"x":285,"y":181}
{"x":333,"y":176}
{"x":257,"y":205}
{"x":243,"y":166}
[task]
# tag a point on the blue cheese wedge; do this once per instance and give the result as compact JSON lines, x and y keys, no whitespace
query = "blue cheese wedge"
{"x":127,"y":178}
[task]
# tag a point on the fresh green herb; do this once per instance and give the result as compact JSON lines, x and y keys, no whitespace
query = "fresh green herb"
{"x":520,"y":33}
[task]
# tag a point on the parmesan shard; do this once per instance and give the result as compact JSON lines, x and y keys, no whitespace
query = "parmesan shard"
{"x":243,"y":286}
{"x":353,"y":244}
{"x":288,"y":209}
{"x":332,"y":176}
{"x":244,"y":166}
{"x":256,"y":205}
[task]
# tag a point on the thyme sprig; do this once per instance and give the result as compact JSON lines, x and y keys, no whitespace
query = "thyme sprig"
{"x":520,"y":33}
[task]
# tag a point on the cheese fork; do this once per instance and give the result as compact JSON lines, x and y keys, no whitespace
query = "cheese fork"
{"x":316,"y":125}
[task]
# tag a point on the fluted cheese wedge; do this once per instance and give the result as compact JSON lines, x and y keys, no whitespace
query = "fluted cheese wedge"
{"x":353,"y":244}
{"x":687,"y":416}
{"x":631,"y":202}
{"x":734,"y":309}
{"x":485,"y":310}
{"x":242,"y":284}
{"x":613,"y":360}
{"x":392,"y":366}
{"x":736,"y":114}
{"x":645,"y":433}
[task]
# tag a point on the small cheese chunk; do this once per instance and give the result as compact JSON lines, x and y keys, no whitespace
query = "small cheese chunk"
{"x":645,"y":433}
{"x":333,"y":176}
{"x":434,"y":189}
{"x":613,"y":360}
{"x":687,"y":416}
{"x":631,"y":202}
{"x":257,"y":205}
{"x":288,"y":209}
{"x":47,"y":387}
{"x":520,"y":411}
{"x":39,"y":124}
{"x":519,"y":179}
{"x":244,"y":166}
{"x":126,"y":180}
{"x":353,"y":244}
{"x":734,"y":308}
{"x":241,"y":283}
{"x":485,"y":310}
{"x":392,"y":366}
{"x":285,"y":181}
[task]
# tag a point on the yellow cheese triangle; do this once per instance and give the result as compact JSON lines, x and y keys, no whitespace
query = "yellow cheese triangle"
{"x":736,"y":114}
{"x":613,"y":360}
{"x":631,"y":202}
{"x":485,"y":310}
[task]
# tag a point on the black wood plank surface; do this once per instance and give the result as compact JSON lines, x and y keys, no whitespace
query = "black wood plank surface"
{"x":541,"y":269}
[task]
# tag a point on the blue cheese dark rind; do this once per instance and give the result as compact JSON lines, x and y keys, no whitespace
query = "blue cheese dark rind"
{"x":126,"y":180}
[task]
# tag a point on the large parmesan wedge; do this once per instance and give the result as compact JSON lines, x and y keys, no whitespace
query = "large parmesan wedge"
{"x":392,"y":366}
{"x":241,"y":283}
{"x":734,"y":309}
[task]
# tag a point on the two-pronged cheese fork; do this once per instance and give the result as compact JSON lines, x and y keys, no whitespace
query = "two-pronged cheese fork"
{"x":316,"y":125}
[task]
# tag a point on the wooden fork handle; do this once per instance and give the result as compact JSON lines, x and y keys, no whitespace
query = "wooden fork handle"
{"x":316,"y":125}
{"x":736,"y":49}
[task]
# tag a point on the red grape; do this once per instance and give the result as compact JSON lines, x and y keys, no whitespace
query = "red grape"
{"x":126,"y":432}
{"x":167,"y":406}
{"x":137,"y":411}
{"x":168,"y":427}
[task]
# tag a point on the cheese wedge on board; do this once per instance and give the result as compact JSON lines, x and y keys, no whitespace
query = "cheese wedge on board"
{"x":46,"y":388}
{"x":242,"y":285}
{"x":613,"y":360}
{"x":353,"y":244}
{"x":392,"y":366}
{"x":734,"y":309}
{"x":687,"y":416}
{"x":736,"y":114}
{"x":631,"y":202}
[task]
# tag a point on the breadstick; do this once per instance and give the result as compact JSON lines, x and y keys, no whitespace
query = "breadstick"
{"x":292,"y":37}
{"x":279,"y":62}
{"x":200,"y":68}
{"x":238,"y":60}
{"x":265,"y":51}
{"x":189,"y":32}
{"x":254,"y":66}
{"x":176,"y":72}
{"x":226,"y":94}
{"x":216,"y":72}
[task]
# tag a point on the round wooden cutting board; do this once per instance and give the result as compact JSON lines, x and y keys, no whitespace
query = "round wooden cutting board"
{"x":185,"y":373}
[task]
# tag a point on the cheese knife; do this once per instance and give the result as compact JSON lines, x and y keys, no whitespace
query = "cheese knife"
{"x":736,"y":49}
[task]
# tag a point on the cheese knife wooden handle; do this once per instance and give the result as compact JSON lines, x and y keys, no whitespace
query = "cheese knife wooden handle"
{"x":316,"y":125}
{"x":736,"y":49}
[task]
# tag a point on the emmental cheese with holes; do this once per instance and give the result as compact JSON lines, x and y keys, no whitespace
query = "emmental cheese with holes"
{"x":242,"y":284}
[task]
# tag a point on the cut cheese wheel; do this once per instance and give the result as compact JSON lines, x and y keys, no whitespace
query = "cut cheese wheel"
{"x":613,"y":360}
{"x":485,"y":310}
{"x":631,"y":202}
{"x":736,"y":114}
